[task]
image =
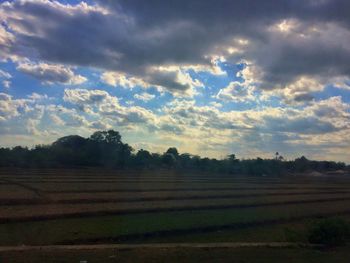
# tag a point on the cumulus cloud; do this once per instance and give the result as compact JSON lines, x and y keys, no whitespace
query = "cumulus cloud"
{"x":51,"y":73}
{"x":314,"y":119}
{"x":20,"y":116}
{"x":38,"y":97}
{"x":86,"y":97}
{"x":6,"y":84}
{"x":215,"y":104}
{"x":101,"y":102}
{"x":171,"y":78}
{"x":6,"y":41}
{"x":119,"y":79}
{"x":144,"y":96}
{"x":298,"y":34}
{"x":236,"y":92}
{"x":194,"y":128}
{"x":10,"y":108}
{"x":304,"y":38}
{"x":108,"y":108}
{"x":5,"y":76}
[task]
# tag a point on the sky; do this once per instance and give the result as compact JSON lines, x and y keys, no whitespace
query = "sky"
{"x":208,"y":77}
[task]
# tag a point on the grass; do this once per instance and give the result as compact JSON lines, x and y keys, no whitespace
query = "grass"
{"x":56,"y":231}
{"x":21,"y":211}
{"x":90,"y":183}
{"x":270,"y":223}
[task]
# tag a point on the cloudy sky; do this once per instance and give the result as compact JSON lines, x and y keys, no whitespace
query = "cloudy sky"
{"x":209,"y":77}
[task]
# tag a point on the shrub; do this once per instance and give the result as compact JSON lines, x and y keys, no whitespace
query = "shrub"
{"x":330,"y":232}
{"x":294,"y":234}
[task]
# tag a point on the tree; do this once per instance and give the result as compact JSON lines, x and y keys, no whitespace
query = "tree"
{"x":143,"y":158}
{"x":168,"y":159}
{"x":301,"y":164}
{"x":73,"y":141}
{"x":105,"y":148}
{"x":109,"y":137}
{"x":173,"y":151}
{"x":232,"y":158}
{"x":185,"y":160}
{"x":232,"y":165}
{"x":69,"y":150}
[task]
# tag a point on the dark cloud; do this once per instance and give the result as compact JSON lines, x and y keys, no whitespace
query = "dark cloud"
{"x":303,"y":97}
{"x":51,"y":74}
{"x":300,"y":125}
{"x":133,"y":36}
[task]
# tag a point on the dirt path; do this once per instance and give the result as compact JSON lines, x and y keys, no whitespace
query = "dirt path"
{"x":158,"y":245}
{"x":148,"y":190}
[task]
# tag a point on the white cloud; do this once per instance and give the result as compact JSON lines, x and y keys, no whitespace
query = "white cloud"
{"x":119,"y":79}
{"x":236,"y":92}
{"x":215,"y":104}
{"x":192,"y":128}
{"x":38,"y":97}
{"x":5,"y":75}
{"x":144,"y":96}
{"x":10,"y":108}
{"x":6,"y":41}
{"x":100,"y":102}
{"x":6,"y":84}
{"x":171,"y":78}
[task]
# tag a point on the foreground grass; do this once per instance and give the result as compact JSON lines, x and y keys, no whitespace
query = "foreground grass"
{"x":172,"y":255}
{"x":111,"y":227}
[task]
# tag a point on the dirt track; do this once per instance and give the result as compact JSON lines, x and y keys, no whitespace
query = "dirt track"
{"x":158,"y":245}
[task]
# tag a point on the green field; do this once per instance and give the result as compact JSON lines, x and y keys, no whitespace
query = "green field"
{"x":89,"y":206}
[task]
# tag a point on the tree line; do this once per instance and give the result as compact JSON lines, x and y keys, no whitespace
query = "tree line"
{"x":106,"y":149}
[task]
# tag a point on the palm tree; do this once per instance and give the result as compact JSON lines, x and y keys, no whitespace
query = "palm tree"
{"x":277,"y":154}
